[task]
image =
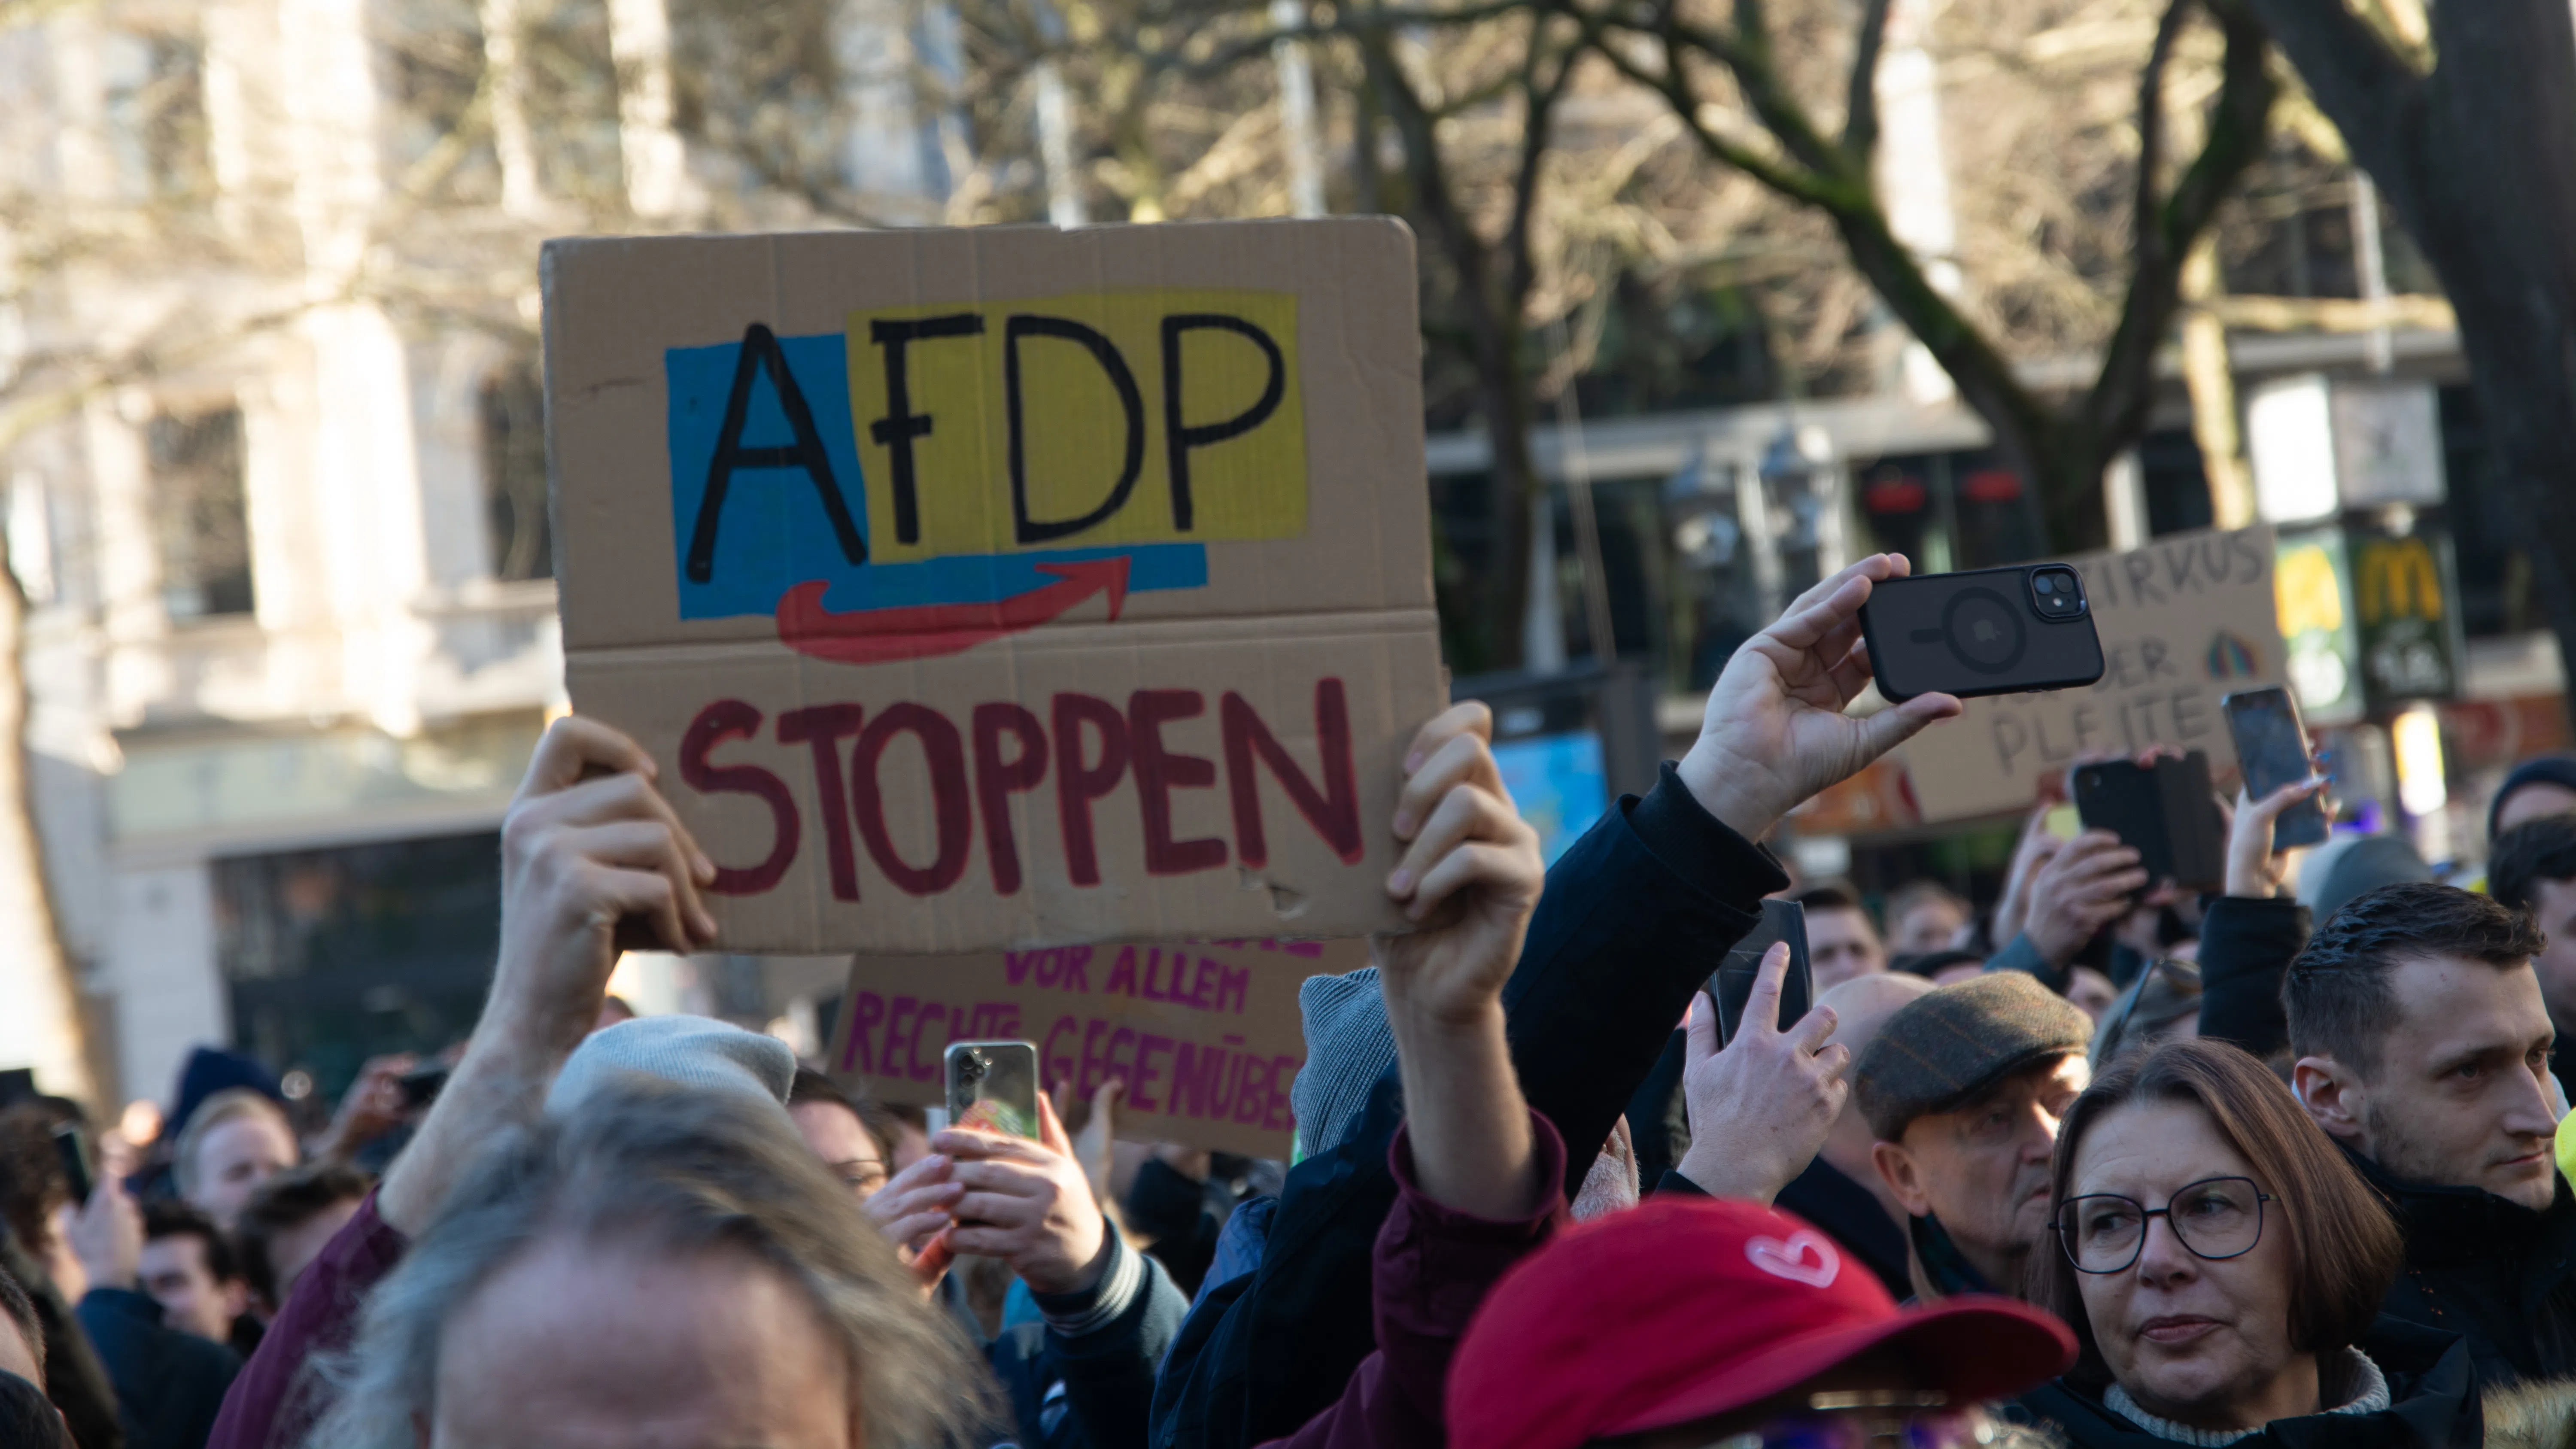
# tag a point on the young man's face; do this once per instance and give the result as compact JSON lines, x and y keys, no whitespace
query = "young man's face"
{"x":2456,"y":1098}
{"x":1842,"y":944}
{"x":192,"y":1299}
{"x":235,"y":1158}
{"x":1934,"y":924}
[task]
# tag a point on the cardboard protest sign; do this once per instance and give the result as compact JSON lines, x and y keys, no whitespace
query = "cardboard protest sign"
{"x":1205,"y":1035}
{"x":1002,"y":587}
{"x":2184,"y":621}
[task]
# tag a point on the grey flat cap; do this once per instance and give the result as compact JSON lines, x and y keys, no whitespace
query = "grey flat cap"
{"x":1940,"y":1049}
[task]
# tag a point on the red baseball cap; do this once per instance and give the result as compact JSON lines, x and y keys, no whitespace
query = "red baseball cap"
{"x":1685,"y":1308}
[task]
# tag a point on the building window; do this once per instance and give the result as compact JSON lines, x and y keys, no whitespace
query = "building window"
{"x":434,"y":75}
{"x":197,"y":505}
{"x":156,"y":114}
{"x":514,"y":473}
{"x":333,"y":956}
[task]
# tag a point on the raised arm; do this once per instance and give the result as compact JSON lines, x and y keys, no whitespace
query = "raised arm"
{"x":592,"y":861}
{"x":1640,"y":911}
{"x":2249,"y":935}
{"x":1478,"y":1171}
{"x":1470,"y":878}
{"x":1635,"y":916}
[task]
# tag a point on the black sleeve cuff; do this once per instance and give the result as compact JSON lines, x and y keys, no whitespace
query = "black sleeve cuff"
{"x":1673,"y":1181}
{"x":1694,"y":845}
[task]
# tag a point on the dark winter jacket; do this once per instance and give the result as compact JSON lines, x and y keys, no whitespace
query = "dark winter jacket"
{"x":2246,"y":946}
{"x":1826,"y":1196}
{"x":2492,"y":1271}
{"x":1636,"y":915}
{"x":1431,"y":1270}
{"x":2433,"y":1404}
{"x":169,"y":1384}
{"x":27,"y":1417}
{"x":1084,"y":1375}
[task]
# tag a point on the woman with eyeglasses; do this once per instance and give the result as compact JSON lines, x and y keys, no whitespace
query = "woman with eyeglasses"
{"x":2222,"y":1266}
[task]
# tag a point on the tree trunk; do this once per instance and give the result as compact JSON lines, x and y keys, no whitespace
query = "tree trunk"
{"x":42,"y":1025}
{"x":1502,"y":597}
{"x":2479,"y":161}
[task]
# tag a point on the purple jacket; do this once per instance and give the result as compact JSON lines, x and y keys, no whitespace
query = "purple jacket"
{"x":1430,"y":1271}
{"x":275,"y":1400}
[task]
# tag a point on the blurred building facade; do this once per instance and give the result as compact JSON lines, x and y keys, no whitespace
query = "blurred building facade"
{"x":272,"y":468}
{"x":275,"y":467}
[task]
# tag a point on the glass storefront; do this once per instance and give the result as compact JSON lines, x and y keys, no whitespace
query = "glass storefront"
{"x":333,"y":956}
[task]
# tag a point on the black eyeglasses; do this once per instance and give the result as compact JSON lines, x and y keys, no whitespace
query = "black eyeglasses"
{"x":2215,"y":1219}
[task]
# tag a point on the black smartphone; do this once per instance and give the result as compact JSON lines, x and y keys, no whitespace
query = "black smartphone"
{"x":2166,"y":811}
{"x":1988,"y":631}
{"x":993,"y":1085}
{"x":2272,"y":750}
{"x":1731,"y":985}
{"x":420,"y":1086}
{"x":71,"y":1144}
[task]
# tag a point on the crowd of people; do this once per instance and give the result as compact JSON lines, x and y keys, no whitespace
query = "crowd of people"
{"x":2108,"y":1166}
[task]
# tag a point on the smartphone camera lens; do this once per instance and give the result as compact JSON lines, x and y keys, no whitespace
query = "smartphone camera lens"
{"x":972,"y":1067}
{"x":2056,"y":593}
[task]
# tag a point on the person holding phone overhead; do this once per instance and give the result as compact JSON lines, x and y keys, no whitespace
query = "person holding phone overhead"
{"x":1636,"y":911}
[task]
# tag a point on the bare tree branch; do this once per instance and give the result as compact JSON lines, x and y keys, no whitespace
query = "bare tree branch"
{"x":2354,"y":74}
{"x":1860,"y":110}
{"x":2239,"y":122}
{"x":1537,"y":113}
{"x":1789,"y":181}
{"x":2147,"y":235}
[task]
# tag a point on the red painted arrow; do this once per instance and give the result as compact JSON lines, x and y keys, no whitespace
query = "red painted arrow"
{"x":874,"y":636}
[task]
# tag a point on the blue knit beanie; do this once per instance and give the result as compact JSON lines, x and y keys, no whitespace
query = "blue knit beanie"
{"x":2556,"y":770}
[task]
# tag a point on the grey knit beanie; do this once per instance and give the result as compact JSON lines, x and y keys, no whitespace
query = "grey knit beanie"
{"x":1348,"y":1047}
{"x":690,"y":1051}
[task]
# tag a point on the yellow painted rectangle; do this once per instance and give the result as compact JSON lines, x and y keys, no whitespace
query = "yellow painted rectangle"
{"x":1078,"y":425}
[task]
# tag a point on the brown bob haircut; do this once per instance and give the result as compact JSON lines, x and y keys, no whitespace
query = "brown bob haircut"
{"x":2345,"y":1247}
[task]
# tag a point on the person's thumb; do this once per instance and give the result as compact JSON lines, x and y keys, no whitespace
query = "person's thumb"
{"x":1891,"y":727}
{"x":1051,"y":1127}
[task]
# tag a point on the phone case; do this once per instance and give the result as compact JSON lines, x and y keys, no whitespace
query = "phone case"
{"x":1731,"y":985}
{"x":1973,"y":633}
{"x":993,"y":1085}
{"x":2165,"y":812}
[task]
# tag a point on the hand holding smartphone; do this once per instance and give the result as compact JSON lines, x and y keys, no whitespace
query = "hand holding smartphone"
{"x":1731,"y":985}
{"x":2272,"y":751}
{"x":2165,"y":811}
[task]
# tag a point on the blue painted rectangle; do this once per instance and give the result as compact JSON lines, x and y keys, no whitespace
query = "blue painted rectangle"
{"x":774,"y":532}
